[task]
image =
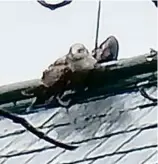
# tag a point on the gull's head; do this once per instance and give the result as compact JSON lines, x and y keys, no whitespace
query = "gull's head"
{"x":77,"y":52}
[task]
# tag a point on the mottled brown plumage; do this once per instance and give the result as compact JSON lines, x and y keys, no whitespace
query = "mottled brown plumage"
{"x":56,"y":74}
{"x":61,"y":75}
{"x":56,"y":79}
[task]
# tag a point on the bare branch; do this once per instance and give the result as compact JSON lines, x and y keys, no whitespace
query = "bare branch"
{"x":155,"y":2}
{"x":19,"y":120}
{"x":144,"y":94}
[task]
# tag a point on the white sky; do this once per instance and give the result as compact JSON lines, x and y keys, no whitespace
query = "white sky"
{"x":32,"y":36}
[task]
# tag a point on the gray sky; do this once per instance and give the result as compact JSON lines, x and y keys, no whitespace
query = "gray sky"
{"x":32,"y":37}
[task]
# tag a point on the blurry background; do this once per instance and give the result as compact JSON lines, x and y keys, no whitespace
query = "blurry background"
{"x":32,"y":36}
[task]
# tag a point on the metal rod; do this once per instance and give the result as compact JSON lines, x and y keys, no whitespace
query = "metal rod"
{"x":98,"y":24}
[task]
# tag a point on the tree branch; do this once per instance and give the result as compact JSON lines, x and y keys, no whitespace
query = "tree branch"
{"x":155,"y":2}
{"x":19,"y":120}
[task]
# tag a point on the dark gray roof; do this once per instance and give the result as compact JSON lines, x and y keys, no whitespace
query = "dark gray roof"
{"x":117,"y":129}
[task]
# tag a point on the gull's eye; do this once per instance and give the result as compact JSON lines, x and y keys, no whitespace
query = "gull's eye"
{"x":81,"y":50}
{"x":50,"y":67}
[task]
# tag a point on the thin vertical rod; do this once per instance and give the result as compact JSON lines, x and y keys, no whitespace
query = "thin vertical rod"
{"x":98,"y":24}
